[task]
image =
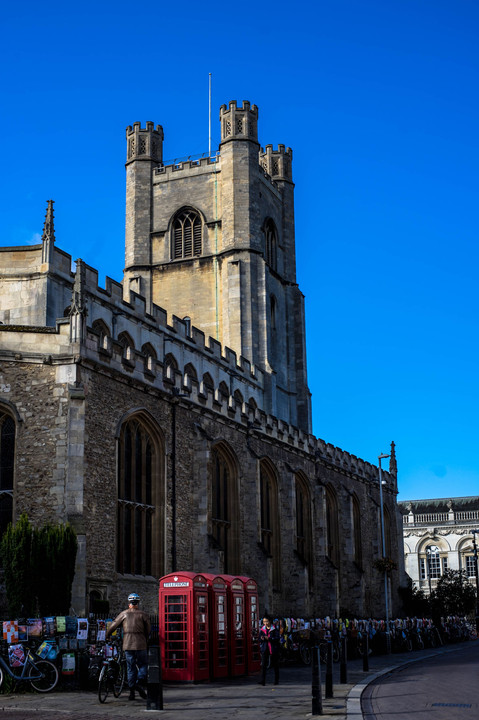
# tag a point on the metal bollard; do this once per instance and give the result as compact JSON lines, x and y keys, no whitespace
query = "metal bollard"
{"x":329,"y":671}
{"x":154,"y":687}
{"x":317,"y":701}
{"x":366,"y":652}
{"x":343,"y":670}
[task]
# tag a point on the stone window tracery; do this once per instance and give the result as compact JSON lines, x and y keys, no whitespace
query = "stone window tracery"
{"x":187,"y":234}
{"x":271,"y":244}
{"x":332,"y":526}
{"x":357,"y":543}
{"x":303,"y":521}
{"x":225,"y":510}
{"x":140,"y":499}
{"x":270,"y":538}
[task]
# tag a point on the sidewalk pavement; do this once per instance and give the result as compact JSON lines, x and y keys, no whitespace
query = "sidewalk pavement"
{"x":241,"y":698}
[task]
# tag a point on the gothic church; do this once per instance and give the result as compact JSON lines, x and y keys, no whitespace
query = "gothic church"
{"x":168,"y":417}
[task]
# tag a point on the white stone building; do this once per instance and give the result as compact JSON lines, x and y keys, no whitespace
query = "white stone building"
{"x":438,"y":537}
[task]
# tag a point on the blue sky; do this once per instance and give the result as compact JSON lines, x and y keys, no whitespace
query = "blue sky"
{"x":379,"y":101}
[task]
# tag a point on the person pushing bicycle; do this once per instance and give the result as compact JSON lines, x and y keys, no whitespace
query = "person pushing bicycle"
{"x":136,"y":630}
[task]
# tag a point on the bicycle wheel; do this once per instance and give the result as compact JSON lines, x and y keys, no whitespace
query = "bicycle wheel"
{"x":103,"y":684}
{"x":49,"y":677}
{"x":305,"y":654}
{"x":120,"y":679}
{"x":1,"y":677}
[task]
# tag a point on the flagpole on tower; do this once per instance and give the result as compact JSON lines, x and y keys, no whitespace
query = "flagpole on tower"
{"x":209,"y":117}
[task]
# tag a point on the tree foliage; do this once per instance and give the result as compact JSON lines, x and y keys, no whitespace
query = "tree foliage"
{"x":454,"y":595}
{"x":16,"y":554}
{"x":39,"y":565}
{"x":414,"y":601}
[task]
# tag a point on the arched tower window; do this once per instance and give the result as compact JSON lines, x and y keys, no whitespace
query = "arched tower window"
{"x":238,"y":398}
{"x":270,"y":537}
{"x":356,"y":531}
{"x":332,"y":526}
{"x":187,"y":234}
{"x":223,"y":391}
{"x":271,"y":243}
{"x":104,"y":336}
{"x":303,"y":520}
{"x":128,"y":347}
{"x":190,"y":374}
{"x":7,"y":467}
{"x":140,"y":498}
{"x":225,"y":510}
{"x":170,"y":367}
{"x":149,"y":358}
{"x":208,"y":384}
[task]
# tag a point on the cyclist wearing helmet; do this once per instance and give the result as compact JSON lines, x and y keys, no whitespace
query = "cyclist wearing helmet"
{"x":136,"y":629}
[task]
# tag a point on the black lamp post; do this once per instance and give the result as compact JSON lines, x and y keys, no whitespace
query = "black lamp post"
{"x":429,"y":551}
{"x":383,"y":545}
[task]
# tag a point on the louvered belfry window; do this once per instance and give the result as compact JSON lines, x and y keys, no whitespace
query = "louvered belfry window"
{"x":187,"y":231}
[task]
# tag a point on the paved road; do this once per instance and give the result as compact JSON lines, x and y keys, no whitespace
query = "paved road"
{"x":445,"y":687}
{"x":240,"y":698}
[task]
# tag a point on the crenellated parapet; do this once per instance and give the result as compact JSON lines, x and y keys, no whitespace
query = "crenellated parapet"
{"x":144,"y":143}
{"x":239,"y":122}
{"x":192,"y":166}
{"x":277,"y":163}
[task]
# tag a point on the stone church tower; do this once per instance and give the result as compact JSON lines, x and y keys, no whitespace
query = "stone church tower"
{"x":212,"y":241}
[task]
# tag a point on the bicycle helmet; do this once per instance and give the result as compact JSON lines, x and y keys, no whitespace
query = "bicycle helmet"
{"x":133,"y":599}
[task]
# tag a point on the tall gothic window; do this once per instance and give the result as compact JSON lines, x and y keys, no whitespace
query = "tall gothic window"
{"x":225,"y":510}
{"x":356,"y":531}
{"x":332,"y":526}
{"x":303,"y":520}
{"x":7,"y":465}
{"x":140,"y":499}
{"x":187,"y":234}
{"x":270,"y":538}
{"x":271,"y":243}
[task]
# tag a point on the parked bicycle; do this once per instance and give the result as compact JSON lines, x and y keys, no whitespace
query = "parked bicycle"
{"x":22,"y":665}
{"x":113,"y":672}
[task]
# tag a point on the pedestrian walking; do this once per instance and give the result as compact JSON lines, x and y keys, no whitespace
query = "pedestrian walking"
{"x":269,"y":646}
{"x":136,"y":630}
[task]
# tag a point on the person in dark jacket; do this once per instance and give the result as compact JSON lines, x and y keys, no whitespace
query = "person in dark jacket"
{"x":269,"y":646}
{"x":136,"y":630}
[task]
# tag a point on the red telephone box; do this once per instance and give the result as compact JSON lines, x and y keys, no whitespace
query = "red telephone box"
{"x":219,"y":641}
{"x":237,"y":626}
{"x":253,"y":654}
{"x":183,"y":626}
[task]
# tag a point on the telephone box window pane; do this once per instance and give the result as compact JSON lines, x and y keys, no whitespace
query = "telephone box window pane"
{"x":239,"y":618}
{"x":175,"y":632}
{"x":203,"y":654}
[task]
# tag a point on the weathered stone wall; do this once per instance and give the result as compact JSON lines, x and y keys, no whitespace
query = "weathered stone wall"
{"x":66,"y":446}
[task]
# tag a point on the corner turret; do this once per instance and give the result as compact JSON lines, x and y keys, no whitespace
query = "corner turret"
{"x":239,"y":123}
{"x":144,"y":153}
{"x":277,"y":163}
{"x":144,"y":143}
